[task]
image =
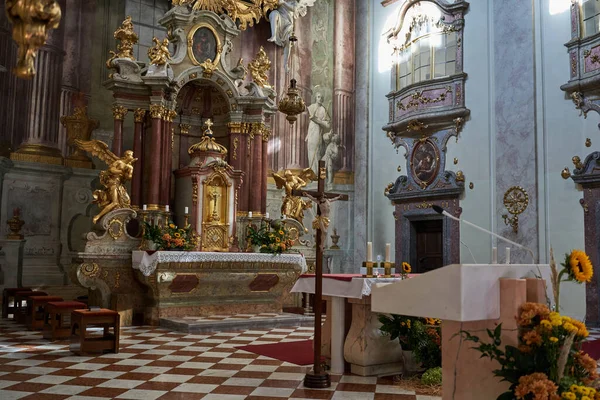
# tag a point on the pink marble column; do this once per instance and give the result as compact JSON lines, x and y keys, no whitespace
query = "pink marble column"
{"x":264,"y":172}
{"x":138,"y":152}
{"x":256,"y":194}
{"x":343,"y":83}
{"x":153,"y":159}
{"x":247,"y":186}
{"x":166,"y":160}
{"x":119,"y":113}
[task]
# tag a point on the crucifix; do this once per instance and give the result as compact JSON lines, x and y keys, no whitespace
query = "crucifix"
{"x":318,"y":378}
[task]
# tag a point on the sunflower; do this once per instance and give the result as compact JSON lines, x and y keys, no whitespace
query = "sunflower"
{"x":177,"y":234}
{"x":579,"y":266}
{"x":406,"y":268}
{"x":172,"y":226}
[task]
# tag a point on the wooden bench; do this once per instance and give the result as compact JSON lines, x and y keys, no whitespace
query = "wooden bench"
{"x":20,"y":312}
{"x":57,"y":322}
{"x":84,"y":342}
{"x":8,"y":297}
{"x":35,"y":310}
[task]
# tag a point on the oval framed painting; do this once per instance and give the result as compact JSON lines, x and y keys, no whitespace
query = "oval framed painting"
{"x":425,"y":162}
{"x":204,"y":44}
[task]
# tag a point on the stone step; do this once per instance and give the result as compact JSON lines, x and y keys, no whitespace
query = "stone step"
{"x":239,"y":322}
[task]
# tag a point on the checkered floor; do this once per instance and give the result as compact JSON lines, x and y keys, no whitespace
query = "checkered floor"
{"x":235,"y":317}
{"x":155,"y":363}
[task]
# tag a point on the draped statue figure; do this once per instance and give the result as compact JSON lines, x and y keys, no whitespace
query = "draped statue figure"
{"x":320,"y":123}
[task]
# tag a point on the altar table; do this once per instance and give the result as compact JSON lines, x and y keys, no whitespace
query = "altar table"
{"x":183,"y":283}
{"x":381,"y":355}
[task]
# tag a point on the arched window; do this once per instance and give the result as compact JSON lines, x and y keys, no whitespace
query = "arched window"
{"x":591,"y":17}
{"x":429,"y":48}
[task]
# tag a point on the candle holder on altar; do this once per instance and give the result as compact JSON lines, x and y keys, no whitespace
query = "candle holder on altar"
{"x":143,"y":242}
{"x":369,"y":265}
{"x":387,"y":268}
{"x":186,"y":217}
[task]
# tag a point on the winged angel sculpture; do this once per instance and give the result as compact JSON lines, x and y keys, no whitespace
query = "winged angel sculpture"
{"x":120,"y":170}
{"x":283,"y":17}
{"x":294,"y":206}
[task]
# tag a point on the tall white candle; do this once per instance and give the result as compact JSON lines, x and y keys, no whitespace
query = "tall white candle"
{"x":145,"y":207}
{"x":387,"y":252}
{"x":369,"y":251}
{"x":167,"y":208}
{"x":186,"y":210}
{"x":508,"y":255}
{"x":494,"y":255}
{"x":249,"y":214}
{"x":267,"y":215}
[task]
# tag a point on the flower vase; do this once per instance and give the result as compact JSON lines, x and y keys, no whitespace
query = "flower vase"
{"x":256,"y":248}
{"x":151,"y":245}
{"x":410,"y":365}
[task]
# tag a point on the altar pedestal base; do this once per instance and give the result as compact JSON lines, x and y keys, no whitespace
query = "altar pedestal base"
{"x":368,"y":351}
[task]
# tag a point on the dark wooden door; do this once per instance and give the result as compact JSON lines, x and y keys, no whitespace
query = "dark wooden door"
{"x":429,"y":245}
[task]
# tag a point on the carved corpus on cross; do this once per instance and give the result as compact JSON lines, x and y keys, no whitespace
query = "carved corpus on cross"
{"x":318,"y":378}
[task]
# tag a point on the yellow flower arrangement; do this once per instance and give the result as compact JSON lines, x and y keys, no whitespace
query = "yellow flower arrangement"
{"x":576,"y":392}
{"x":537,"y":384}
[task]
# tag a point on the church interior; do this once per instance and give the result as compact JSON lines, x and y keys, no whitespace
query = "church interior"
{"x":304,"y":199}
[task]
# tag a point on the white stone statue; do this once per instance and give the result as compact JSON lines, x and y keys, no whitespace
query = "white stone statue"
{"x":319,"y":124}
{"x":332,"y":153}
{"x":283,"y":17}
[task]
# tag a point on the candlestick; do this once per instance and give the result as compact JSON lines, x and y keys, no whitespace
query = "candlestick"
{"x":508,"y":255}
{"x":387,"y":252}
{"x":186,"y":210}
{"x":494,"y":255}
{"x":167,"y":208}
{"x":249,"y":214}
{"x":370,"y":251}
{"x":145,"y":207}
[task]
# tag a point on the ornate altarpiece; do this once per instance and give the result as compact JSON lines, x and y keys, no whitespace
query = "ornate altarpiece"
{"x":426,"y":109}
{"x":584,"y":89}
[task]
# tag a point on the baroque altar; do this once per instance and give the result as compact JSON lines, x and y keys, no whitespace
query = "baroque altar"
{"x":209,"y":283}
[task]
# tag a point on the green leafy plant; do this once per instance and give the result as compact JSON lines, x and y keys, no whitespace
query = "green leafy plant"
{"x":270,"y":239}
{"x":432,"y":376}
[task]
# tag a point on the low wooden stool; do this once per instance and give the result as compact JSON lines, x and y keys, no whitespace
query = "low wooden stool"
{"x":8,"y":296}
{"x":35,"y":310}
{"x":83,"y":343}
{"x":55,"y":326}
{"x":20,"y":312}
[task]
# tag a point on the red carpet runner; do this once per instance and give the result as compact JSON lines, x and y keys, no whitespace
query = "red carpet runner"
{"x":299,"y":353}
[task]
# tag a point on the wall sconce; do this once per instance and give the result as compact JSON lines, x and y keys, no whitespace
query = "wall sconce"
{"x":516,"y":201}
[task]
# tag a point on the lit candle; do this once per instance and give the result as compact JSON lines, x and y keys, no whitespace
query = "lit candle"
{"x":508,"y":255}
{"x":167,"y":208}
{"x":267,"y":215}
{"x":494,"y":255}
{"x":249,"y":214}
{"x":187,"y":210}
{"x":387,"y":252}
{"x":369,"y":251}
{"x":144,"y":207}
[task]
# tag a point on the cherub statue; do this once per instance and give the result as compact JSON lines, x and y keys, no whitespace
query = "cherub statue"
{"x":294,"y":206}
{"x":259,"y":68}
{"x":159,"y":54}
{"x":120,"y":170}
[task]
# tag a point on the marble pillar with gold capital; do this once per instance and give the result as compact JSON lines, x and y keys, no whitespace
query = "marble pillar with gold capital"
{"x":153,"y":199}
{"x":119,"y":113}
{"x":138,"y":149}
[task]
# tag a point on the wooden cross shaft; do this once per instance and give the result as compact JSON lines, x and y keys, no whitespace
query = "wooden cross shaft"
{"x":318,"y":378}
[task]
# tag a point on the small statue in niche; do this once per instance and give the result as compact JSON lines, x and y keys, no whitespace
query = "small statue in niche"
{"x":332,"y":153}
{"x":294,"y":206}
{"x":214,"y":196}
{"x":120,"y":170}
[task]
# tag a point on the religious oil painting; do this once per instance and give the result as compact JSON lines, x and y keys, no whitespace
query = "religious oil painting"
{"x":425,"y":162}
{"x":203,"y":44}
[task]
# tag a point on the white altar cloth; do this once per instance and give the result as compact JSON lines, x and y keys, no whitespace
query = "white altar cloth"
{"x":339,"y":288}
{"x":147,"y":263}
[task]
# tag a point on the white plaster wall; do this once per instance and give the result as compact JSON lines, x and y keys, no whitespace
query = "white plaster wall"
{"x":560,"y":133}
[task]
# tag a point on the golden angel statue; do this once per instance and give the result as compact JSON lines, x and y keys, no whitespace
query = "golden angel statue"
{"x":259,"y":68}
{"x":120,"y":170}
{"x":294,"y":206}
{"x":159,"y":54}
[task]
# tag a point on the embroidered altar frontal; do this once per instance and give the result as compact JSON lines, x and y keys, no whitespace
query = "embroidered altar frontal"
{"x":184,"y":284}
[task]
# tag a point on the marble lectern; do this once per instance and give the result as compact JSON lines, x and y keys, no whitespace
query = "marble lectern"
{"x":471,"y":298}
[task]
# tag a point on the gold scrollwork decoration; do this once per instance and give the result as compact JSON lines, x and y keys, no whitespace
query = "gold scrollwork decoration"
{"x":424,"y":205}
{"x":139,"y":114}
{"x":236,"y":143}
{"x":195,"y":193}
{"x":388,"y":188}
{"x":90,"y":270}
{"x":119,"y":112}
{"x":259,"y":68}
{"x":32,"y":21}
{"x":246,"y":12}
{"x":416,"y":126}
{"x":417,"y":99}
{"x":115,"y":228}
{"x":127,"y":37}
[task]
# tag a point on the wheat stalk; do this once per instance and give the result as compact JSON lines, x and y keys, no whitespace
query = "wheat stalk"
{"x":564,"y":356}
{"x":554,"y":279}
